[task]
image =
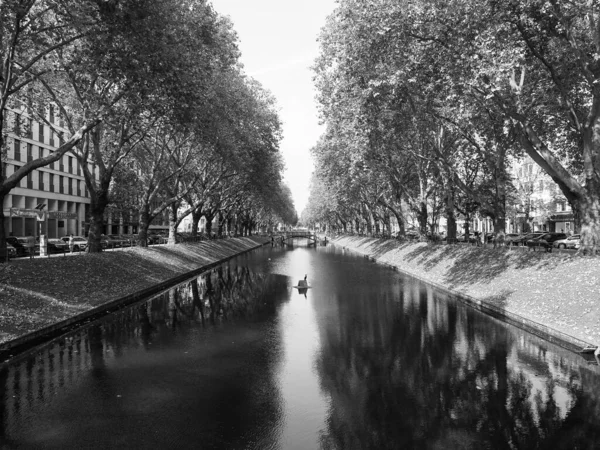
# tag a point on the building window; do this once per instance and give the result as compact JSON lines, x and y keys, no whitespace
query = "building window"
{"x":70,"y":186}
{"x":51,"y":113}
{"x":28,"y":129}
{"x":62,"y":166}
{"x":51,"y":181}
{"x":29,"y":152}
{"x":30,"y":180}
{"x":17,"y":150}
{"x":41,"y":181}
{"x":79,"y":184}
{"x":61,"y":184}
{"x":17,"y":124}
{"x":70,"y":165}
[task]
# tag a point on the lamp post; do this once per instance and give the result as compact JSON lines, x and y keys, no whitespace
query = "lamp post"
{"x":42,"y":218}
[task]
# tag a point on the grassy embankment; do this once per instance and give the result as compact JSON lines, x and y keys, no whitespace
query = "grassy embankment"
{"x":558,"y":290}
{"x":40,"y":292}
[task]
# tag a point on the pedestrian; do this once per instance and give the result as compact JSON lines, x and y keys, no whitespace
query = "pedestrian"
{"x":71,"y":243}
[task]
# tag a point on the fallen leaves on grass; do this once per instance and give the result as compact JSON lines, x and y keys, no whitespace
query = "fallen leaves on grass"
{"x":556,"y":289}
{"x":41,"y":291}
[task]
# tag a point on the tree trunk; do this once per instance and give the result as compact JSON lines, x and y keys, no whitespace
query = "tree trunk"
{"x":467,"y":226}
{"x":4,"y":255}
{"x":144,"y":223}
{"x":422,"y":218}
{"x":587,"y":220}
{"x":209,"y":221}
{"x":450,"y":218}
{"x":220,"y":225}
{"x":196,"y":216}
{"x":97,"y":208}
{"x":172,"y":224}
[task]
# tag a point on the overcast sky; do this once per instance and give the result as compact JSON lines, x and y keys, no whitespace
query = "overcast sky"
{"x":278,"y":41}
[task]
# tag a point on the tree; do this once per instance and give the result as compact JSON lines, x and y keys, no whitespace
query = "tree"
{"x":31,"y":31}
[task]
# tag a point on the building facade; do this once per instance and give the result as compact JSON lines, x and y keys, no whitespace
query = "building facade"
{"x":52,"y":200}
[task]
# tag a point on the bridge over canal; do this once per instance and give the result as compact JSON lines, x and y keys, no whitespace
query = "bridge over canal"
{"x":289,"y":236}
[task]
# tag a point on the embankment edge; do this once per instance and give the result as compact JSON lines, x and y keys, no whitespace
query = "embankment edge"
{"x":46,"y":334}
{"x":540,"y":330}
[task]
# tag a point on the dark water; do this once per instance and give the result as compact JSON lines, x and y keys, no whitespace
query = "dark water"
{"x":240,"y":359}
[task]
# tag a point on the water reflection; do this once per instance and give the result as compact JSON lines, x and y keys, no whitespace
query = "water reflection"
{"x":365,"y":359}
{"x":139,"y":378}
{"x":420,"y":371}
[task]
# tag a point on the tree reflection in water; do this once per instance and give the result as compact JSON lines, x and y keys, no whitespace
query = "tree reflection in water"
{"x":99,"y":371}
{"x":447,"y":379}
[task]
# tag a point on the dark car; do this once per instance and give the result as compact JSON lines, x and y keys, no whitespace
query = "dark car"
{"x":510,"y":238}
{"x":156,"y":238}
{"x":523,"y":238}
{"x":11,"y":251}
{"x":18,"y":245}
{"x":57,"y":246}
{"x":545,"y":241}
{"x":111,"y":241}
{"x":117,"y":240}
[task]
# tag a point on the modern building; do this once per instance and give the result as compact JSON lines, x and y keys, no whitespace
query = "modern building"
{"x":51,"y":200}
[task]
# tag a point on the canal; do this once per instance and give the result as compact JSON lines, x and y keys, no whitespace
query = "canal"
{"x":240,"y":359}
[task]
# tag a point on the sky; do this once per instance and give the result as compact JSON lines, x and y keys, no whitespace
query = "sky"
{"x":278,"y":42}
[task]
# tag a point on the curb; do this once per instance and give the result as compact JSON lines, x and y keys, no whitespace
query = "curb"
{"x":10,"y":349}
{"x":549,"y":334}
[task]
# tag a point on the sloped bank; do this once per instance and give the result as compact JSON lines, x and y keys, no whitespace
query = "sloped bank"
{"x":553,"y":295}
{"x":47,"y":296}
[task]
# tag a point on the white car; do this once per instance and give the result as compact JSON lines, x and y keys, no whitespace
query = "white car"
{"x":80,"y":243}
{"x":570,"y":242}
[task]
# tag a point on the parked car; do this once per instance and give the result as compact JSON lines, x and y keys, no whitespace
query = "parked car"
{"x":545,"y":241}
{"x":569,"y":242}
{"x":28,"y":242}
{"x":156,"y":238}
{"x":117,"y":240}
{"x":12,"y":251}
{"x":111,"y":241}
{"x":126,"y":239}
{"x":57,"y":246}
{"x":80,"y":243}
{"x":523,"y":238}
{"x":20,"y":249}
{"x":509,"y":238}
{"x":412,"y":234}
{"x":470,"y":238}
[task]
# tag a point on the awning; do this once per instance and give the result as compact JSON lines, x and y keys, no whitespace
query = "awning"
{"x":567,"y":217}
{"x":41,"y":215}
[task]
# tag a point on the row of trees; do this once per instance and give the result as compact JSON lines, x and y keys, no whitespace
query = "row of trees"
{"x":157,"y":108}
{"x":428,"y":103}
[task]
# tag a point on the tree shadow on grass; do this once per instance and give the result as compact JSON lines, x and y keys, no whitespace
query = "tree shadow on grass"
{"x":467,"y":265}
{"x":498,"y":300}
{"x":480,"y":265}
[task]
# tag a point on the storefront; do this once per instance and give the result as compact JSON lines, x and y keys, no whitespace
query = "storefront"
{"x":34,"y":222}
{"x":562,"y":222}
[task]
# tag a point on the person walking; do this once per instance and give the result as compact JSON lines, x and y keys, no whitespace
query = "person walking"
{"x":71,"y":243}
